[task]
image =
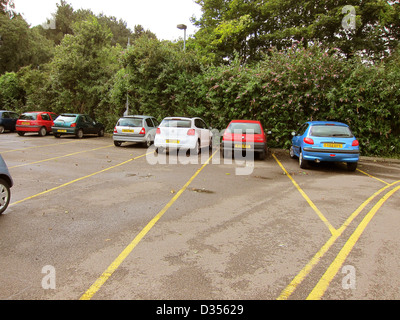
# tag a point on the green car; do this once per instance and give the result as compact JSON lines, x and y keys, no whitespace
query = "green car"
{"x":77,"y":125}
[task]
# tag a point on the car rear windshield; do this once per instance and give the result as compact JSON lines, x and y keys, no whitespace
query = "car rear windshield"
{"x":134,"y":122}
{"x":330,"y":131}
{"x":67,"y":118}
{"x":243,"y":127}
{"x":28,"y":116}
{"x":176,"y":123}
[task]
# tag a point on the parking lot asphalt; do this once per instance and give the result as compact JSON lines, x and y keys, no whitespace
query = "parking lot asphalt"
{"x":88,"y":220}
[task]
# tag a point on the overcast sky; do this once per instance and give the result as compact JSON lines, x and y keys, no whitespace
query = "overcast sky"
{"x":159,"y":16}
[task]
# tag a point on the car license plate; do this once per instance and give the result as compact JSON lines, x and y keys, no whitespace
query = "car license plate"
{"x":243,"y":146}
{"x":25,"y":123}
{"x":172,"y":141}
{"x":61,"y":130}
{"x":128,"y":130}
{"x":333,"y":145}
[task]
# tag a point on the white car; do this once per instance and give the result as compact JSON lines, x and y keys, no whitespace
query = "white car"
{"x":183,"y":133}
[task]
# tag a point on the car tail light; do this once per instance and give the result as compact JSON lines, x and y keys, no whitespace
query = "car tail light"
{"x":191,"y":132}
{"x":355,"y":143}
{"x":143,"y":131}
{"x":73,"y":125}
{"x":158,"y":131}
{"x":115,"y":130}
{"x":308,"y":140}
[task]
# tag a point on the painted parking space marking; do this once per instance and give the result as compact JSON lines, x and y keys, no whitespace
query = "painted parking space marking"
{"x":312,"y":205}
{"x":333,"y":269}
{"x":59,"y":157}
{"x":34,"y":147}
{"x":125,"y":253}
{"x":371,"y":176}
{"x":76,"y":180}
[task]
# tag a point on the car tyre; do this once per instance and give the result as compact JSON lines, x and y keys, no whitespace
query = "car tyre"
{"x":57,"y":135}
{"x":42,"y":132}
{"x":196,"y":149}
{"x":117,"y":143}
{"x":302,"y":163}
{"x":2,"y":129}
{"x":101,"y":132}
{"x":79,"y":134}
{"x":352,"y":166}
{"x":5,"y":195}
{"x":291,"y":153}
{"x":148,"y":141}
{"x":21,"y":133}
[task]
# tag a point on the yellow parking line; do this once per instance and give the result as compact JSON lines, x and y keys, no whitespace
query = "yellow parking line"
{"x":54,"y":158}
{"x":312,"y":205}
{"x":76,"y":180}
{"x":371,"y":176}
{"x":124,"y":254}
{"x":333,"y":269}
{"x":317,"y":257}
{"x":46,"y":145}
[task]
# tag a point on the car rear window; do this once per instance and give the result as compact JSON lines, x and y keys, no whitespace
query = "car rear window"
{"x":67,"y":118}
{"x":243,"y":127}
{"x":176,"y":123}
{"x":28,"y":116}
{"x":135,"y":122}
{"x":330,"y":131}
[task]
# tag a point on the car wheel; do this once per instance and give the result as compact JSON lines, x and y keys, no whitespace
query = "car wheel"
{"x":57,"y":135}
{"x":262,"y":155}
{"x":302,"y":163}
{"x":148,"y":142}
{"x":4,"y":195}
{"x":42,"y":132}
{"x":21,"y":133}
{"x":1,"y":129}
{"x":101,"y":133}
{"x":159,"y":150}
{"x":352,"y":166}
{"x":196,"y":149}
{"x":79,"y":134}
{"x":291,"y":153}
{"x":117,"y":143}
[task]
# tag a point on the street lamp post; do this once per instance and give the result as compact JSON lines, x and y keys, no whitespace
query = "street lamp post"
{"x":183,"y":27}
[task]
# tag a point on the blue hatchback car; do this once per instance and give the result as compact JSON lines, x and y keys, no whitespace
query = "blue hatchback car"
{"x":325,"y":141}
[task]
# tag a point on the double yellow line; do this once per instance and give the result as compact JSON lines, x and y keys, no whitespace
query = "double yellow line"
{"x":332,"y":270}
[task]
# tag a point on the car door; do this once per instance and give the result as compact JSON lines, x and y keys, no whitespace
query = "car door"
{"x":47,"y":121}
{"x":296,"y":141}
{"x":204,"y":132}
{"x":88,"y":125}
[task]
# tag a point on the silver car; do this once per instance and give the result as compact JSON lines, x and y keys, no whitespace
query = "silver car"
{"x":140,"y":129}
{"x":6,"y":183}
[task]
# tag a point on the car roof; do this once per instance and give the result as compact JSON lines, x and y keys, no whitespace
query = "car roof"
{"x":180,"y":118}
{"x":246,"y":121}
{"x":137,"y":116}
{"x":336,"y":123}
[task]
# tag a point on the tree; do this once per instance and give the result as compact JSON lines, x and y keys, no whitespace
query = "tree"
{"x":254,"y":26}
{"x":82,"y":66}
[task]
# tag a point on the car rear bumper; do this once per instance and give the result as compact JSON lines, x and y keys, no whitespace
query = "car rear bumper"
{"x":126,"y":138}
{"x":63,"y":130}
{"x":236,"y":145}
{"x":313,"y":154}
{"x":27,"y":128}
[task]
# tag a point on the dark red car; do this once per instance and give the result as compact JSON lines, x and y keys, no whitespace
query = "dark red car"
{"x":244,"y":135}
{"x":39,"y":122}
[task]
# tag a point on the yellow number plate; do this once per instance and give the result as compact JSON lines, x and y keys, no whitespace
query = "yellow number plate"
{"x":61,"y":130}
{"x":128,"y":130}
{"x":243,"y":146}
{"x":333,"y":145}
{"x":25,"y":123}
{"x":172,"y":141}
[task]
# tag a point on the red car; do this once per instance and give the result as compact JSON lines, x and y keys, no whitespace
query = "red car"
{"x":244,"y":135}
{"x":38,"y":121}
